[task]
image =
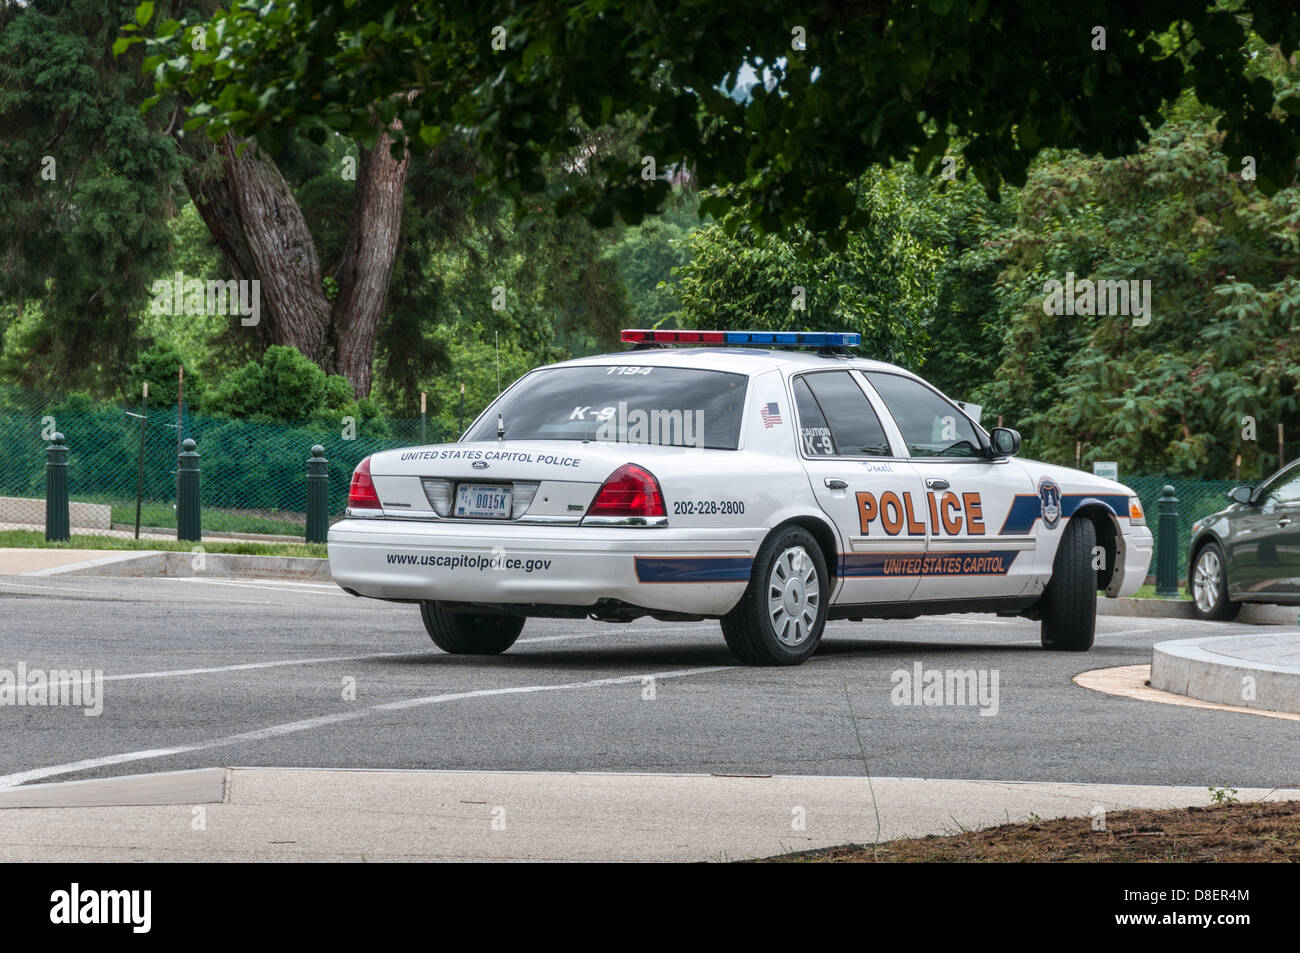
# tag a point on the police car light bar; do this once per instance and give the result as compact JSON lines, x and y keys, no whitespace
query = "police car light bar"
{"x":770,"y":338}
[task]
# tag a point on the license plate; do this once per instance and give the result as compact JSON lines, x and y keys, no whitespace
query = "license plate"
{"x":483,"y":501}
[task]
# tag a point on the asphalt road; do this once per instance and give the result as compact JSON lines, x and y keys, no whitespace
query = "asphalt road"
{"x":204,"y":672}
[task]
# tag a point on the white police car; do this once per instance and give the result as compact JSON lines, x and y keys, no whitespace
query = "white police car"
{"x":733,"y":479}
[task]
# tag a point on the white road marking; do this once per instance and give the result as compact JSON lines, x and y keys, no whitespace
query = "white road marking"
{"x":281,"y":663}
{"x":42,"y":589}
{"x":265,"y":587}
{"x":248,"y":666}
{"x":274,"y":731}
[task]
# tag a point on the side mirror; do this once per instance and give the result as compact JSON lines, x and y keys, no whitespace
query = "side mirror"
{"x":1241,"y":494}
{"x":1004,"y":442}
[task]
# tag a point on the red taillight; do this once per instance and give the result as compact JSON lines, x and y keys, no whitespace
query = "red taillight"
{"x":361,"y":493}
{"x":629,"y":491}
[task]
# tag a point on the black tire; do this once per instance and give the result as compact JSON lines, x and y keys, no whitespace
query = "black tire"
{"x":1217,"y":606}
{"x":1069,"y":605}
{"x":464,"y":633}
{"x":749,"y":628}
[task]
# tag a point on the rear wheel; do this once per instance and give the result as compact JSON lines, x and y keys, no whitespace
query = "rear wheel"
{"x":465,"y":633}
{"x":1069,"y":606}
{"x":780,"y":618}
{"x":1210,"y":585}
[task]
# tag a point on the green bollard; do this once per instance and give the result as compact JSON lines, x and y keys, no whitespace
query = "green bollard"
{"x":57,"y":524}
{"x":318,"y":517}
{"x":187,"y":494}
{"x":1167,"y":546}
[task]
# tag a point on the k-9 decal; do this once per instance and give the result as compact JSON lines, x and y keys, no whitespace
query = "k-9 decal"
{"x":950,"y":514}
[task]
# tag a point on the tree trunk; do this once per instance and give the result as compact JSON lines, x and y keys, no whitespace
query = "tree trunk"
{"x":262,"y":234}
{"x":367,"y":263}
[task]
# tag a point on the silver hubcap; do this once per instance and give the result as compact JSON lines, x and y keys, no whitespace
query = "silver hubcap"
{"x":1206,"y":580}
{"x":793,"y":596}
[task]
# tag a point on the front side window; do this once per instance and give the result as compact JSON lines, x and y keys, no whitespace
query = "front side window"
{"x":840,"y":419}
{"x":624,"y":403}
{"x":931,"y":426}
{"x":1284,"y":488}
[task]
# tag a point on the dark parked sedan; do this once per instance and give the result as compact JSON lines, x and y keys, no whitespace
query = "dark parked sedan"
{"x":1249,"y":552}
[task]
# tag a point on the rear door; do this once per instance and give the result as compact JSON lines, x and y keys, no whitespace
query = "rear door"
{"x":871,"y":495}
{"x":972,"y":552}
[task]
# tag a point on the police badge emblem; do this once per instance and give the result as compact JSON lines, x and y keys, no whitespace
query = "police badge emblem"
{"x":1049,"y":498}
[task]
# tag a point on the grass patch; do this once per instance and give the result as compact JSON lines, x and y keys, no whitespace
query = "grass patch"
{"x":35,"y":539}
{"x":219,"y":521}
{"x":1240,"y":833}
{"x":1149,"y":592}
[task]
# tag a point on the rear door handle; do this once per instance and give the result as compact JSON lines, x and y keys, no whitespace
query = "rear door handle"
{"x":937,"y":483}
{"x":834,"y":484}
{"x":1284,"y":521}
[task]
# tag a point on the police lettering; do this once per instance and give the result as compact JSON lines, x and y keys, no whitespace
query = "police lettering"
{"x":950,"y":514}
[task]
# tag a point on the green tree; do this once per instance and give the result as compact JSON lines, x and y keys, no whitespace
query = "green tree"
{"x":1178,"y":394}
{"x":839,"y":93}
{"x":86,"y":187}
{"x":882,"y":285}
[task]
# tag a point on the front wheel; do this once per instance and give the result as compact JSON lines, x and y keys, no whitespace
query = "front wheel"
{"x":1069,"y":613}
{"x":465,"y":633}
{"x":780,"y":618}
{"x":1210,"y":586}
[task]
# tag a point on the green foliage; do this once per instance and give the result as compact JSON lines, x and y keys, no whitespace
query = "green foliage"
{"x":286,"y":386}
{"x":474,"y":360}
{"x":650,"y":259}
{"x":85,"y":189}
{"x":882,"y":285}
{"x":890,"y":82}
{"x":1173,"y":396}
{"x":159,"y":366}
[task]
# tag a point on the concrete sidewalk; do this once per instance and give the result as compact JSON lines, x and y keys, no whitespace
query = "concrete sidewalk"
{"x":1250,"y":671}
{"x":272,"y":814}
{"x":152,"y":562}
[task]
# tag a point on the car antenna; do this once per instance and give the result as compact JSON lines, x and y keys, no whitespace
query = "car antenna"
{"x":496,"y":339}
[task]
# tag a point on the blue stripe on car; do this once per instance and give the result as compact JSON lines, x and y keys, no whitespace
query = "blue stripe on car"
{"x":1026,"y":509}
{"x":693,"y":568}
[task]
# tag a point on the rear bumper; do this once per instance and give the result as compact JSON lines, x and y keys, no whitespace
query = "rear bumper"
{"x":701,"y":572}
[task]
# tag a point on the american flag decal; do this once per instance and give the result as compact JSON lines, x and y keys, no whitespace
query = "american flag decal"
{"x":771,"y":415}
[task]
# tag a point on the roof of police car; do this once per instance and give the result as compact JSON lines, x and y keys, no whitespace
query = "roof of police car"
{"x":737,"y":360}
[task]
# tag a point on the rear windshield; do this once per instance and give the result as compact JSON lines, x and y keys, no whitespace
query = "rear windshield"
{"x":627,"y":403}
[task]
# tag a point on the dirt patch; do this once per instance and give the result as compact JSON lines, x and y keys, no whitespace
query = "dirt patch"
{"x":1220,"y":833}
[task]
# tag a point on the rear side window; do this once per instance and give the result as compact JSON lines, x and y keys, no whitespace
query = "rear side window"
{"x":931,"y":426}
{"x":624,"y":403}
{"x":814,"y":435}
{"x":844,"y":410}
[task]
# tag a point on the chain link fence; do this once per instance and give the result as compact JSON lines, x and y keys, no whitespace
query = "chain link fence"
{"x":253,"y":475}
{"x":1196,"y":499}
